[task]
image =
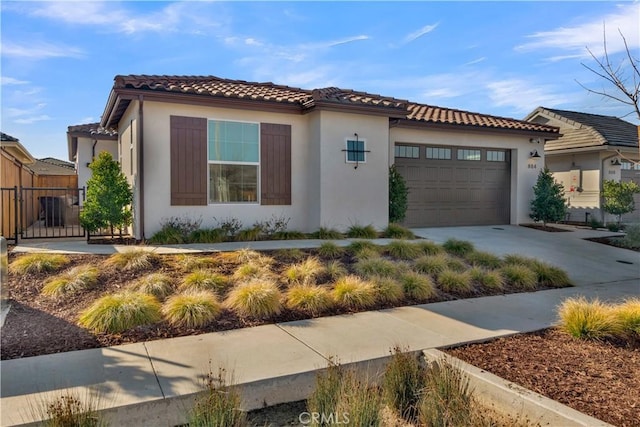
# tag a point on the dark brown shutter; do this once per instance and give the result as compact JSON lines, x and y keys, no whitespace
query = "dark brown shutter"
{"x":275,"y":164}
{"x":188,"y":161}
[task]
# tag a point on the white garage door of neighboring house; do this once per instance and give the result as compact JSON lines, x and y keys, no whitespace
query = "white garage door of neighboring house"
{"x":450,"y":186}
{"x":631,"y":172}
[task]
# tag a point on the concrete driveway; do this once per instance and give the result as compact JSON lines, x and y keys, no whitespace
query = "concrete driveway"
{"x":586,"y":262}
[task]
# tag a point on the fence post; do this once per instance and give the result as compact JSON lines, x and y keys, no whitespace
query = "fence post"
{"x":16,"y":213}
{"x":4,"y":279}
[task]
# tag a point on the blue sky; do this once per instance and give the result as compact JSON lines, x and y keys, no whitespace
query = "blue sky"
{"x":502,"y":58}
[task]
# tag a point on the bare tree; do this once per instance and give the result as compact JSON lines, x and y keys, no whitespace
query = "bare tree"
{"x":625,"y":88}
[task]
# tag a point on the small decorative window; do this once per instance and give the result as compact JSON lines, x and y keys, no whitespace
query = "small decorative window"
{"x":407,"y":151}
{"x":355,"y":151}
{"x":495,"y":156}
{"x":438,"y":153}
{"x":464,"y":154}
{"x":627,"y":165}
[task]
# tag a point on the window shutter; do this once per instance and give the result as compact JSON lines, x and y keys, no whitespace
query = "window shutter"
{"x":188,"y":161}
{"x":275,"y":164}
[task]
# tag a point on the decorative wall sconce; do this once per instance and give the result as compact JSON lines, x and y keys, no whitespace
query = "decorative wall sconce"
{"x":355,"y":151}
{"x":534,"y":155}
{"x":616,"y":162}
{"x":536,"y":140}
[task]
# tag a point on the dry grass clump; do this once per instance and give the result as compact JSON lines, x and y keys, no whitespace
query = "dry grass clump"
{"x":549,"y":275}
{"x":431,"y":264}
{"x":157,"y":284}
{"x":520,"y":260}
{"x":335,"y":270}
{"x":116,"y":313}
{"x":458,"y":247}
{"x":402,"y":384}
{"x":588,"y":319}
{"x":360,"y":400}
{"x":257,"y":298}
{"x":192,"y":309}
{"x":252,"y":270}
{"x":490,"y":279}
{"x":357,"y":231}
{"x":483,"y":259}
{"x":418,"y":286}
{"x":447,"y":397}
{"x":312,"y":299}
{"x":388,"y":289}
{"x":69,"y":410}
{"x":304,"y":273}
{"x":38,"y":263}
{"x":72,"y":281}
{"x":353,"y":292}
{"x":397,"y":231}
{"x":628,"y":315}
{"x":429,"y":248}
{"x":219,"y":405}
{"x":455,"y":282}
{"x":376,"y":266}
{"x":290,"y":254}
{"x":520,"y":276}
{"x":363,"y":249}
{"x":330,"y":250}
{"x":189,"y":263}
{"x":401,"y":249}
{"x":205,"y":280}
{"x":133,"y":260}
{"x":253,"y":257}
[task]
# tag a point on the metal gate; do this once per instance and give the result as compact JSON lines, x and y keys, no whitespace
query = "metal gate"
{"x":50,"y":212}
{"x":9,"y":205}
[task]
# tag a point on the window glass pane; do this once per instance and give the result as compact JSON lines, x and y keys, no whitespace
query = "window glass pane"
{"x":468,"y":154}
{"x":355,"y":151}
{"x":438,"y":153}
{"x":233,"y":141}
{"x":233,"y":183}
{"x":495,"y":156}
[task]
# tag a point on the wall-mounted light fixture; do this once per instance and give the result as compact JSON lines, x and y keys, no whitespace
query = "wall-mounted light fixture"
{"x":534,"y":154}
{"x":616,"y":162}
{"x":536,"y":140}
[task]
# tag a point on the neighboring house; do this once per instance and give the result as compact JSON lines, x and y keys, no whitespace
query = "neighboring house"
{"x":85,"y":142}
{"x":212,"y":148}
{"x":592,"y":149}
{"x":14,"y":174}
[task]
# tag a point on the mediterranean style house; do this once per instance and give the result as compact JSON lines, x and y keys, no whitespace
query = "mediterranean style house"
{"x":212,"y":148}
{"x":591,"y":149}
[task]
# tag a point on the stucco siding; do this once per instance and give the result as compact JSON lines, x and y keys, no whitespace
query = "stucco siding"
{"x":524,"y":170}
{"x":84,"y":156}
{"x":127,"y":153}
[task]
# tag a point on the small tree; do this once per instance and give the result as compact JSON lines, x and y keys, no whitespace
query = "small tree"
{"x":548,"y":204}
{"x":398,"y":193}
{"x":618,"y":197}
{"x":109,"y":196}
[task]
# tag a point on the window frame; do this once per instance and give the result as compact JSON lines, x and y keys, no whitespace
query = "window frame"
{"x":210,"y":162}
{"x":500,"y":153}
{"x":397,"y":146}
{"x":347,"y":151}
{"x":438,"y":147}
{"x":463,"y":159}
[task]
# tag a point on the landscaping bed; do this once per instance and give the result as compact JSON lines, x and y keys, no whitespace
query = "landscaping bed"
{"x":399,"y":274}
{"x":618,"y":242}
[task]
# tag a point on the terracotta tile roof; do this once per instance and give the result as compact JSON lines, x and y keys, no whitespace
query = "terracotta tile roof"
{"x":91,"y":129}
{"x":308,"y":99}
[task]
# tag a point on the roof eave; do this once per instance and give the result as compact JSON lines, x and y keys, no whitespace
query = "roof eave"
{"x":372,"y":110}
{"x":416,"y":124}
{"x":18,"y":151}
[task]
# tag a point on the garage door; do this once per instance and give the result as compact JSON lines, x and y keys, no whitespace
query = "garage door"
{"x":451,"y":186}
{"x":631,"y":172}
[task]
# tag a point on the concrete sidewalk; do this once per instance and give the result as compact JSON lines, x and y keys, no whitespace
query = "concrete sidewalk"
{"x":151,"y":383}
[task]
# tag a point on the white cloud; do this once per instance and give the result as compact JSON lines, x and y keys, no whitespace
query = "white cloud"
{"x":421,"y":32}
{"x":40,"y":50}
{"x":6,"y":81}
{"x":476,"y":61}
{"x":575,"y":39}
{"x":347,"y":40}
{"x":524,"y":95}
{"x":32,"y":119}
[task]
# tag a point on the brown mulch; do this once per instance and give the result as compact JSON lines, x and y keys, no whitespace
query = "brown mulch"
{"x":601,"y":379}
{"x":613,"y":241}
{"x":548,"y":228}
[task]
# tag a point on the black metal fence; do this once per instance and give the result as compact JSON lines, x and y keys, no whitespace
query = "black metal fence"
{"x":9,"y":207}
{"x":51,"y":212}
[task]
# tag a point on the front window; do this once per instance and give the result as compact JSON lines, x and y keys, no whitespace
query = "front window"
{"x":233,"y":149}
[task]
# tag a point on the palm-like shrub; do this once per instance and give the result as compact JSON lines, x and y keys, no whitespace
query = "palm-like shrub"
{"x":456,"y":282}
{"x":312,"y":299}
{"x":133,"y":260}
{"x":483,"y":259}
{"x":520,"y":276}
{"x":330,"y":250}
{"x":490,"y":279}
{"x":588,"y":319}
{"x":257,"y":298}
{"x":458,"y":247}
{"x":38,"y":263}
{"x":72,"y":281}
{"x":121,"y":311}
{"x":401,"y":249}
{"x":418,"y":286}
{"x":388,"y":289}
{"x":205,"y":280}
{"x":304,"y":273}
{"x":157,"y":284}
{"x":353,"y":292}
{"x":431,"y":264}
{"x":362,"y":232}
{"x":376,"y":267}
{"x":192,"y":309}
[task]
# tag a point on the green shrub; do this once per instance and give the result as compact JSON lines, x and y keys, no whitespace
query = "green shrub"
{"x":175,"y":230}
{"x":206,"y":235}
{"x":401,"y":249}
{"x":288,"y":235}
{"x":312,"y":299}
{"x":360,"y":401}
{"x":447,"y":398}
{"x":38,"y":263}
{"x":335,"y":270}
{"x":458,"y":247}
{"x":133,"y":260}
{"x":520,"y":260}
{"x":549,"y":275}
{"x":330,"y":250}
{"x":328,"y":234}
{"x":220,"y":404}
{"x":548,"y":203}
{"x":632,"y":237}
{"x":456,"y":264}
{"x":456,"y":282}
{"x":249,"y":234}
{"x":418,"y":286}
{"x":431,"y":264}
{"x":595,"y":224}
{"x":326,"y":392}
{"x":192,"y":309}
{"x":376,"y":267}
{"x":353,"y":292}
{"x":398,"y":195}
{"x":491,"y":279}
{"x":257,"y":298}
{"x":119,"y":312}
{"x":388,"y":289}
{"x":588,"y":319}
{"x":430,"y":248}
{"x":69,"y":410}
{"x":396,"y":231}
{"x":483,"y":259}
{"x":205,"y":280}
{"x":402,"y":384}
{"x":304,"y":273}
{"x":362,"y":232}
{"x":157,"y":284}
{"x":168,"y":236}
{"x":357,"y":247}
{"x":72,"y":281}
{"x":520,"y":276}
